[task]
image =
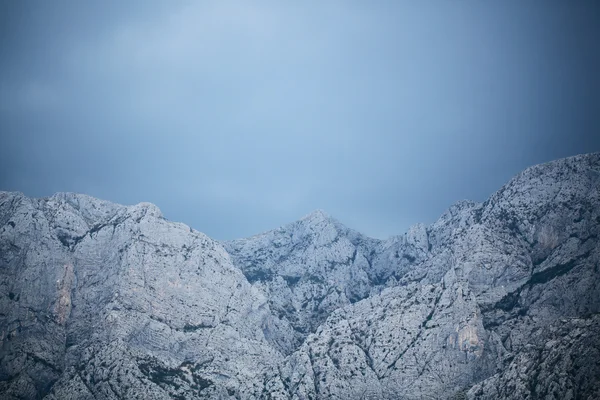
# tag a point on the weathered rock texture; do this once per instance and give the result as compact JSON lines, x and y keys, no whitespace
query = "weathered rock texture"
{"x":499,"y":299}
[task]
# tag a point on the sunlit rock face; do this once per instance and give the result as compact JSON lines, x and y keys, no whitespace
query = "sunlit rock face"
{"x":499,"y":299}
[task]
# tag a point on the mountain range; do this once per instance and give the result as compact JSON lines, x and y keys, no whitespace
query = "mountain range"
{"x":494,"y":300}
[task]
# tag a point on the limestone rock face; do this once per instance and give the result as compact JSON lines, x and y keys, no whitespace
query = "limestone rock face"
{"x":499,"y":299}
{"x":307,"y":270}
{"x":113,"y":301}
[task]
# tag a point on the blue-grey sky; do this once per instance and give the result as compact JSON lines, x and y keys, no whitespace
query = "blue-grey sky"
{"x":236,"y":117}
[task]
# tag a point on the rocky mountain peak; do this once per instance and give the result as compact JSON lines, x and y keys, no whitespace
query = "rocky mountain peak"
{"x":316,"y":217}
{"x":144,"y":209}
{"x":494,"y":300}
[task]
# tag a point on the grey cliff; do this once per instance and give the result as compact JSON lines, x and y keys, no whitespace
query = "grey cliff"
{"x":495,"y":300}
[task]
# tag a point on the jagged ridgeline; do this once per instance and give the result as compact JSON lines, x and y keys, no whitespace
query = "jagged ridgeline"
{"x":495,"y":300}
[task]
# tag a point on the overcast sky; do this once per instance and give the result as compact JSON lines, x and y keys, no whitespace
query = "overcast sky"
{"x":238,"y":117}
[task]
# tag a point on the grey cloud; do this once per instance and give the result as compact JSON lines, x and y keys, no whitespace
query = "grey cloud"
{"x":236,"y":117}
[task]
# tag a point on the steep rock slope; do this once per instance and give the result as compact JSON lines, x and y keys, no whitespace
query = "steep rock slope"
{"x":105,"y":301}
{"x":494,"y":300}
{"x":311,"y":267}
{"x":496,"y":282}
{"x":306,"y":269}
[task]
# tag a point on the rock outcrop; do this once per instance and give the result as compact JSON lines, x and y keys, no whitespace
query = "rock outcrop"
{"x":106,"y":301}
{"x":499,"y":299}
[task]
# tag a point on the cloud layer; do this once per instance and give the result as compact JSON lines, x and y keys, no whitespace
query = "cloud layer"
{"x":236,"y":117}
